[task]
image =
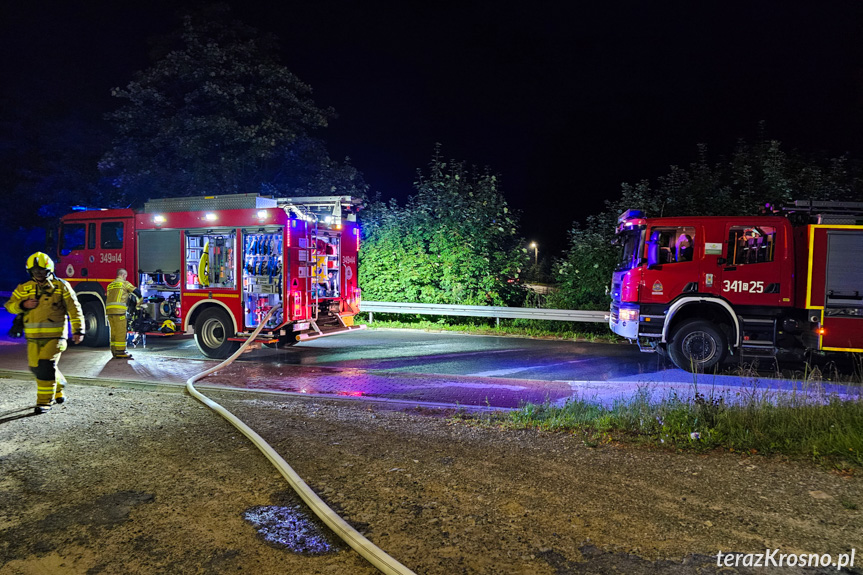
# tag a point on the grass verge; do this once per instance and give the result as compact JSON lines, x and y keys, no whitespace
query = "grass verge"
{"x":805,"y":424}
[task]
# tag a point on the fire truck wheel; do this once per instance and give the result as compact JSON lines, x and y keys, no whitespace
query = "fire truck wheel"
{"x":96,"y":331}
{"x":697,"y":346}
{"x":212,"y":330}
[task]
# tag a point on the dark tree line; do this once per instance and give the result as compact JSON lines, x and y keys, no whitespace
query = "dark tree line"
{"x":216,"y":113}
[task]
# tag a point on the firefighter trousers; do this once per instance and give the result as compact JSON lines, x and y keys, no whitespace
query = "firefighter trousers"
{"x":117,"y":323}
{"x":42,"y":357}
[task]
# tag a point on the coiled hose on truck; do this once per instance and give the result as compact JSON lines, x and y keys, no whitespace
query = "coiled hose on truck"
{"x":371,"y":552}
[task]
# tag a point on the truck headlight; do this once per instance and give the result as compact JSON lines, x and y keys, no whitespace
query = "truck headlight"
{"x":628,"y":314}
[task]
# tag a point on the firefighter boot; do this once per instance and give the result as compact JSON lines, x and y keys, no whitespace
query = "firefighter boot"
{"x":45,"y":391}
{"x":59,"y":396}
{"x":123,"y":355}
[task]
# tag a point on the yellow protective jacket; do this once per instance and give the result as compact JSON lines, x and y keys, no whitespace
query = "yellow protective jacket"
{"x":118,"y":295}
{"x":47,"y":320}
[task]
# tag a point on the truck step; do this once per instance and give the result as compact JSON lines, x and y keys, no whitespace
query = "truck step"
{"x":757,"y":343}
{"x":328,"y":331}
{"x":757,"y":349}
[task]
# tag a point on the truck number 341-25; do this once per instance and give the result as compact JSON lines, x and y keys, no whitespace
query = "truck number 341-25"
{"x":741,"y":286}
{"x":110,"y":258}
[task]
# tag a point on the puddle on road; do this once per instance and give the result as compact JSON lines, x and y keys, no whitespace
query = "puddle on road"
{"x":289,"y":527}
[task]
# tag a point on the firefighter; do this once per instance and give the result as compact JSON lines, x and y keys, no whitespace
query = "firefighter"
{"x":684,"y":248}
{"x":117,"y":300}
{"x":46,"y":301}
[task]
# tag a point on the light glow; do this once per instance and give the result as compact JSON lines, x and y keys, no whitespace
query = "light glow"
{"x":211,"y":217}
{"x":628,"y":314}
{"x":159,"y":219}
{"x":297,"y":305}
{"x":263,"y":214}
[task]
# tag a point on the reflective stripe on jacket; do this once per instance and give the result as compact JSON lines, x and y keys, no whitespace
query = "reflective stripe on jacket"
{"x":118,"y":295}
{"x":47,"y":320}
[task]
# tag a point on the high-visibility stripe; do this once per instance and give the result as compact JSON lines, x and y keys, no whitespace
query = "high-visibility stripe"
{"x":43,"y":334}
{"x":853,"y":349}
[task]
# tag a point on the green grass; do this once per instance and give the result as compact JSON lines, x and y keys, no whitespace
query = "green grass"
{"x":593,"y":333}
{"x":794,"y":424}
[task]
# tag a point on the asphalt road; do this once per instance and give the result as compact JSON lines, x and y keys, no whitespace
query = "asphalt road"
{"x":436,"y":369}
{"x":448,"y":353}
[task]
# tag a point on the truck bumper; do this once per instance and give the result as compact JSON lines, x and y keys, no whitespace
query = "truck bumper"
{"x":623,"y":320}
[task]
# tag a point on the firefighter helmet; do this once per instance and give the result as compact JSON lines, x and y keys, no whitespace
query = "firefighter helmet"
{"x":40,"y":260}
{"x":168,"y":326}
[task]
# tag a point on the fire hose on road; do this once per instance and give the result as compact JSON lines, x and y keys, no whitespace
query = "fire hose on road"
{"x":369,"y":551}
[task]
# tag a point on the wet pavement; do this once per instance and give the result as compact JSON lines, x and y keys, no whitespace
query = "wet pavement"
{"x":419,"y":368}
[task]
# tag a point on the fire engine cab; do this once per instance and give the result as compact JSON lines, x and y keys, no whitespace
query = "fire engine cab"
{"x":707,"y":289}
{"x":215,"y":266}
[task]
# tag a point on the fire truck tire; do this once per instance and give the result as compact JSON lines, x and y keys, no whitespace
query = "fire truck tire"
{"x":96,"y":330}
{"x":697,"y":346}
{"x":213,"y":327}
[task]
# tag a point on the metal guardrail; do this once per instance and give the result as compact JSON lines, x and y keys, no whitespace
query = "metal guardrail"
{"x":484,"y":311}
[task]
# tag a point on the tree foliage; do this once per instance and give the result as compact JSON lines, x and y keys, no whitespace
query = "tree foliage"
{"x":455,"y":242}
{"x":741,"y":184}
{"x":218,"y":113}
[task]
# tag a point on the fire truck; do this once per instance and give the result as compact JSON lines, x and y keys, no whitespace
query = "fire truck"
{"x":215,"y":266}
{"x":703,"y":290}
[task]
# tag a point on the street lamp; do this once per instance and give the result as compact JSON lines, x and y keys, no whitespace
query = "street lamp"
{"x":535,"y":252}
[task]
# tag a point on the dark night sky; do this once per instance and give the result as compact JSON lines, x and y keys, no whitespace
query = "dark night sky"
{"x":566,"y":100}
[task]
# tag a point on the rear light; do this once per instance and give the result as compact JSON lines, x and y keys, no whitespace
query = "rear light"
{"x":357,"y":233}
{"x":820,"y":331}
{"x":358,"y":296}
{"x":297,"y":304}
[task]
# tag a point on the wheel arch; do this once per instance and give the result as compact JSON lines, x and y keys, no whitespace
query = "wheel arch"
{"x":88,"y":296}
{"x":198,"y":307}
{"x":711,"y":309}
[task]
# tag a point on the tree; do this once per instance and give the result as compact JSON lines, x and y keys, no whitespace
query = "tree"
{"x":217,"y":113}
{"x":455,"y":242}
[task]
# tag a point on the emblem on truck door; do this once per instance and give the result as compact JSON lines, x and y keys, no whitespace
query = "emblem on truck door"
{"x":657,"y":288}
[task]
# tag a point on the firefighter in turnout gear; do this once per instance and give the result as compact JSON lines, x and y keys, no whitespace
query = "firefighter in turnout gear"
{"x":117,"y":300}
{"x":46,"y":302}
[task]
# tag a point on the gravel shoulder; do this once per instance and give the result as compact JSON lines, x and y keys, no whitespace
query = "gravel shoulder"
{"x":121,"y":480}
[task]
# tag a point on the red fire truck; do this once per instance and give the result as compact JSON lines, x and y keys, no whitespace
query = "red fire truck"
{"x":215,"y":266}
{"x":707,"y":289}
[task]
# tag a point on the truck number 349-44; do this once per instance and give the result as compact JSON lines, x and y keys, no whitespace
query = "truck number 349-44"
{"x":110,"y":258}
{"x":741,"y":286}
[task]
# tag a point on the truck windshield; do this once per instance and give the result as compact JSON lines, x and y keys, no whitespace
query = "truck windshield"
{"x":629,"y":242}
